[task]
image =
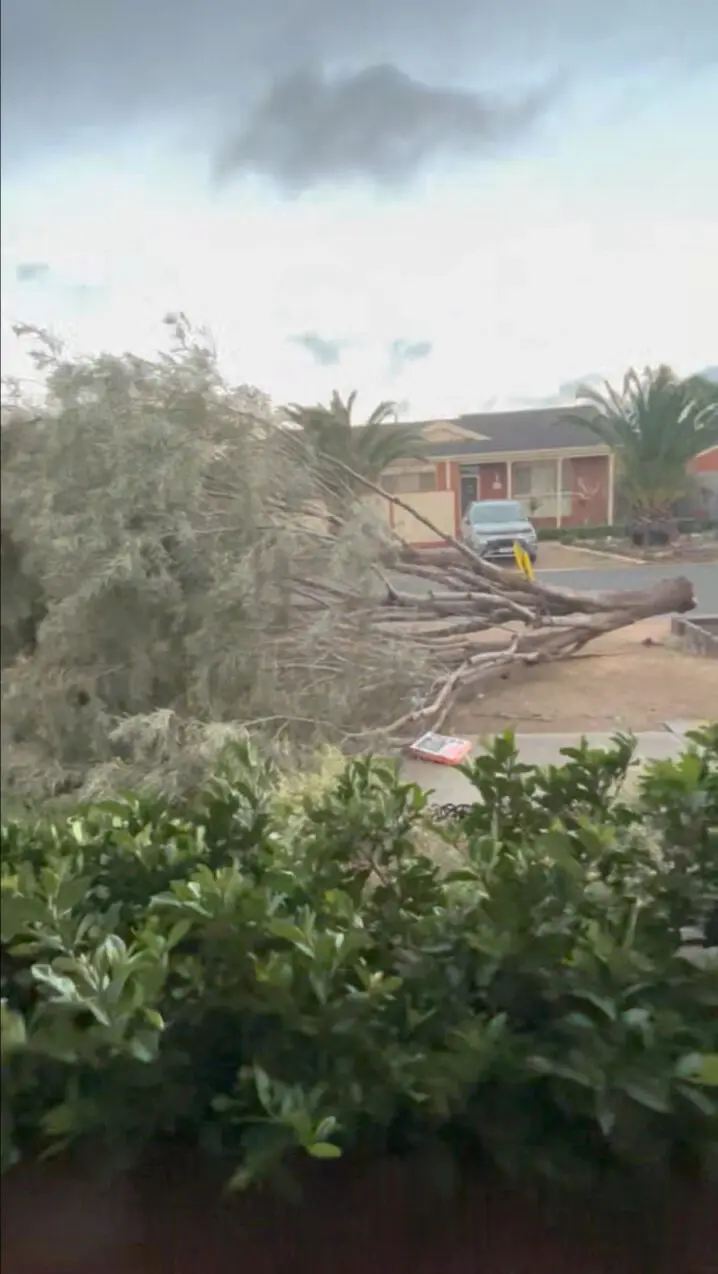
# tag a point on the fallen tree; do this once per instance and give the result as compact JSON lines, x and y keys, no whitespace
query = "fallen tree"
{"x":477,"y":619}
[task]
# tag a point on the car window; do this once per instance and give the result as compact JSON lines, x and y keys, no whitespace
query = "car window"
{"x":498,"y":511}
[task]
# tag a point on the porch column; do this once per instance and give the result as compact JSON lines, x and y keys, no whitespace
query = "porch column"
{"x":559,"y":491}
{"x":611,"y":486}
{"x":509,"y":479}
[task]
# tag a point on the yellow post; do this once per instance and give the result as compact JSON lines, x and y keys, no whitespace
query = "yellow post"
{"x":523,"y":561}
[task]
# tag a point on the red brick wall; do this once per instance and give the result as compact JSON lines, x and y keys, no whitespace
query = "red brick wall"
{"x":174,"y":1219}
{"x":493,"y":482}
{"x":588,"y":478}
{"x":707,"y":463}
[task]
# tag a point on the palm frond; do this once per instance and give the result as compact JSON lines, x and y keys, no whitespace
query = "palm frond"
{"x":655,"y":425}
{"x":368,"y":449}
{"x":379,"y":445}
{"x":384,"y":411}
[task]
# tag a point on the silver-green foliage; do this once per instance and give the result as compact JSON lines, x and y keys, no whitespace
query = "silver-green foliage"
{"x":153,"y":517}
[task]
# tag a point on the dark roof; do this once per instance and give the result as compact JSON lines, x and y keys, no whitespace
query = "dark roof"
{"x":529,"y":430}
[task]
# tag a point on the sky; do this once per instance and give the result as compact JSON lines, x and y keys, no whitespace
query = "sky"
{"x":458,"y":207}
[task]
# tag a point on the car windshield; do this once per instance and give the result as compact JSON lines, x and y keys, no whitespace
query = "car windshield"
{"x":496,"y":511}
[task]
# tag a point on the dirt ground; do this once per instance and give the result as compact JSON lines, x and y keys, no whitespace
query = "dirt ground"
{"x":630,"y":680}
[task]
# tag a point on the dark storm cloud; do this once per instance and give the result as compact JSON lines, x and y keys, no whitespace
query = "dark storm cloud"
{"x":31,"y":271}
{"x":384,"y":95}
{"x":402,"y":351}
{"x":324,"y":352}
{"x":378,"y":123}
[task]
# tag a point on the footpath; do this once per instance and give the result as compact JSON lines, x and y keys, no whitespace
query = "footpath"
{"x":449,"y":786}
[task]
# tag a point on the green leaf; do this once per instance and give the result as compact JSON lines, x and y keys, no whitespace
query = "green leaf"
{"x":600,"y":1002}
{"x":63,"y":986}
{"x":71,"y":892}
{"x":263,"y":1085}
{"x":323,"y":1150}
{"x":179,"y":930}
{"x":325,"y":1128}
{"x":143,"y":1046}
{"x":241,"y":1179}
{"x":696,"y":1097}
{"x":701,"y":1068}
{"x":13,"y":1035}
{"x":61,"y":1119}
{"x":654,"y":1095}
{"x":17,"y":912}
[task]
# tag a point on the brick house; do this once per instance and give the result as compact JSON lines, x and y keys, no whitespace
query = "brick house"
{"x":704,"y":469}
{"x":544,"y":459}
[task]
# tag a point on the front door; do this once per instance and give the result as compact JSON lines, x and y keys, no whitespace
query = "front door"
{"x":469,"y":488}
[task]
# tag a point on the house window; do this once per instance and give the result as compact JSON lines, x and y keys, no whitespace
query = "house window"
{"x":537,"y":479}
{"x":408,"y":483}
{"x":535,"y":485}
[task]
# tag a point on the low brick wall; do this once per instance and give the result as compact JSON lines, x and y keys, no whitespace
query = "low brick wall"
{"x":698,"y":635}
{"x":174,"y":1219}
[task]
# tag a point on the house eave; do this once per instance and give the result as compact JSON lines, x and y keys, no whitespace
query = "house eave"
{"x":546,"y":453}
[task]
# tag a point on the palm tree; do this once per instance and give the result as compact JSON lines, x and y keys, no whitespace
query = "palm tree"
{"x":366,"y":449}
{"x":655,"y":425}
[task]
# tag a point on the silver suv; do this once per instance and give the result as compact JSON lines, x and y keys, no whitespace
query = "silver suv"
{"x":494,"y":526}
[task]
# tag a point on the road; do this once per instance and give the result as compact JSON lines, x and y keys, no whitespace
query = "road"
{"x":704,"y":576}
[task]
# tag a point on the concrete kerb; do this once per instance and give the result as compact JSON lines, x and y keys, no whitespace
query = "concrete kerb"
{"x":618,"y":557}
{"x":682,"y":727}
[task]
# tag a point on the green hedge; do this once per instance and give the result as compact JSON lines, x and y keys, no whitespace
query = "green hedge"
{"x":691,"y":526}
{"x":620,"y":531}
{"x":563,"y":533}
{"x":261,"y":978}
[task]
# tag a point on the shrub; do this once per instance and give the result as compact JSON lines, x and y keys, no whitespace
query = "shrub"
{"x":690,"y":526}
{"x":686,"y":526}
{"x":260,"y":980}
{"x":563,"y":533}
{"x":553,"y":533}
